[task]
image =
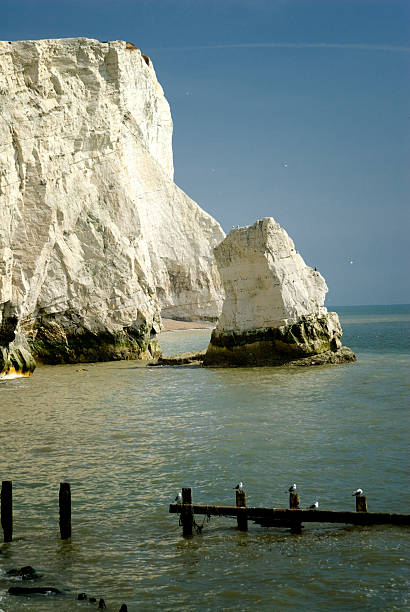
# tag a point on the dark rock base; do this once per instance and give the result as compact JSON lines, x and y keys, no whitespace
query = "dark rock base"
{"x":310,"y":341}
{"x":190,"y":358}
{"x":54,"y":342}
{"x":251,"y":356}
{"x":342,"y":355}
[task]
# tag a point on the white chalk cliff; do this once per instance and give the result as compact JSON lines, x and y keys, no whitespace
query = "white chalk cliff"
{"x":96,"y":240}
{"x":274,"y":310}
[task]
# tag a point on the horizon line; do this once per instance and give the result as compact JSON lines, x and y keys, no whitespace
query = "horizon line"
{"x":289,"y":45}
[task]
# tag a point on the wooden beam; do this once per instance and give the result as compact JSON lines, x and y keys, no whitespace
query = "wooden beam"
{"x":294,"y":504}
{"x":294,"y":501}
{"x":187,"y":515}
{"x":302,"y":516}
{"x":64,"y":499}
{"x":361,"y":503}
{"x":242,"y":518}
{"x":7,"y":509}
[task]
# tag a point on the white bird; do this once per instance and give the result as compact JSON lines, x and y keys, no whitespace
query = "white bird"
{"x":239,"y":487}
{"x":358,"y":492}
{"x":292,"y":489}
{"x":178,"y":498}
{"x":314,"y":506}
{"x":284,"y":164}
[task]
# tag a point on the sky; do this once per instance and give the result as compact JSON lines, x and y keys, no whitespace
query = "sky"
{"x":292,"y":109}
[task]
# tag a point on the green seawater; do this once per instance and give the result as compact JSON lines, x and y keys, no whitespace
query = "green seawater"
{"x":128,"y":438}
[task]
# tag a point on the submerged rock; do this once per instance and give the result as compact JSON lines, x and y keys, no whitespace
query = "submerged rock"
{"x":33,"y":591}
{"x":188,"y":358}
{"x":25,"y":573}
{"x":274,"y":309}
{"x":96,"y":240}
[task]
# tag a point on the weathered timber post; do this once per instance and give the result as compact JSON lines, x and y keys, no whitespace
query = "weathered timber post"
{"x":187,"y":513}
{"x":7,"y":509}
{"x":361,"y":503}
{"x":242,"y":517}
{"x":64,"y":499}
{"x":294,"y":504}
{"x":294,"y":501}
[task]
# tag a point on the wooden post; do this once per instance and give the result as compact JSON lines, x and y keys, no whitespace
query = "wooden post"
{"x":294,"y":501}
{"x":65,"y":510}
{"x":361,"y":503}
{"x":294,"y":504}
{"x":242,"y":517}
{"x":7,"y":509}
{"x":187,"y":513}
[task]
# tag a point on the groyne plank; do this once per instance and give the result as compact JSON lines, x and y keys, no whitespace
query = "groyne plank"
{"x":265,"y":515}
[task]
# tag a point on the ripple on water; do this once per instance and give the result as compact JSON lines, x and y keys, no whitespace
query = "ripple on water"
{"x":128,"y":438}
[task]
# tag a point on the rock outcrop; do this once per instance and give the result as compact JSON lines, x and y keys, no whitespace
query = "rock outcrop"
{"x":96,"y":240}
{"x":274,"y":309}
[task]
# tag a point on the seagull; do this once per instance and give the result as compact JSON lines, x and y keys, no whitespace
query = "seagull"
{"x":358,"y":492}
{"x":178,"y":498}
{"x":239,"y":487}
{"x":292,"y":489}
{"x":314,"y":506}
{"x":284,"y":164}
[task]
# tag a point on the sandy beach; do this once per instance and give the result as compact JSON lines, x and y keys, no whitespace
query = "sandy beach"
{"x":173,"y":325}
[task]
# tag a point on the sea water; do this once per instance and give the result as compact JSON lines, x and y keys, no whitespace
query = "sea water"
{"x":128,"y":438}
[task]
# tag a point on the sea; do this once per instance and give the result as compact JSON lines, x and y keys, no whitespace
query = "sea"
{"x":127,"y":438}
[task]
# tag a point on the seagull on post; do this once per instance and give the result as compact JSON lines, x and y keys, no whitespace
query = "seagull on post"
{"x":239,"y":486}
{"x":292,"y":489}
{"x":178,"y":499}
{"x":358,"y":492}
{"x":314,"y":506}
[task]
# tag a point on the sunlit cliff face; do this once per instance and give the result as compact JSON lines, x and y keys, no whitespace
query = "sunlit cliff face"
{"x":96,"y":240}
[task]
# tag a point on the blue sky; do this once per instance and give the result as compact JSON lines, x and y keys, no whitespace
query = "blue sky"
{"x":295,"y":109}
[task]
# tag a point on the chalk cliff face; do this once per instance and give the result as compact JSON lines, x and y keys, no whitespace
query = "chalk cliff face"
{"x":274,"y":309}
{"x":96,"y":240}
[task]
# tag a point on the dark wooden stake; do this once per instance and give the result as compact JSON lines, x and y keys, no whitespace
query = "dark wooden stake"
{"x":7,"y":509}
{"x":294,"y":501}
{"x":242,"y":517}
{"x":361,"y":503}
{"x":187,"y":513}
{"x":294,"y":504}
{"x":65,"y":510}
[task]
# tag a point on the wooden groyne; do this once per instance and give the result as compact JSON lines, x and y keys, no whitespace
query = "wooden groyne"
{"x":291,"y":518}
{"x":7,"y":510}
